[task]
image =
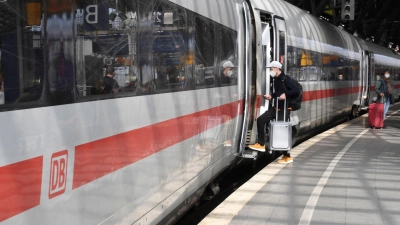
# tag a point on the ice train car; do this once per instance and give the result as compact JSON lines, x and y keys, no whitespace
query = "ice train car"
{"x":70,"y":153}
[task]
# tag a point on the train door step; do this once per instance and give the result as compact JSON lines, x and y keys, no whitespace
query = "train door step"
{"x":249,"y":154}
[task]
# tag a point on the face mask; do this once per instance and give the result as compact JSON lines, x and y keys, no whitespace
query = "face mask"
{"x":387,"y":75}
{"x":229,"y":73}
{"x":272,"y":73}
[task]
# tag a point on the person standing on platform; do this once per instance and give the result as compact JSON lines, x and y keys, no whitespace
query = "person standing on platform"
{"x":384,"y":88}
{"x":110,"y":85}
{"x":280,"y":93}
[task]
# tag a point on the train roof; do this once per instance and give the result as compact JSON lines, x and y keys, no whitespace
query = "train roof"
{"x":383,"y":56}
{"x":221,"y":11}
{"x":309,"y":32}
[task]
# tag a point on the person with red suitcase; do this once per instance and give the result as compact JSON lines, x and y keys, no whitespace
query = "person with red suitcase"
{"x":375,"y":114}
{"x":376,"y":111}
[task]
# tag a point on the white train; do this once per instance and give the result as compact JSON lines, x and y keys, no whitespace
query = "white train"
{"x":144,"y":155}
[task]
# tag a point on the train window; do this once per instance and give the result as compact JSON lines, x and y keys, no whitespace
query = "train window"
{"x":291,"y":57}
{"x":106,"y":38}
{"x":356,"y":70}
{"x":325,"y":73}
{"x":227,"y":41}
{"x":302,"y":74}
{"x":379,"y":70}
{"x":292,"y":72}
{"x":144,"y":70}
{"x":396,"y":75}
{"x":169,"y":48}
{"x":329,"y":73}
{"x":227,"y":56}
{"x":306,"y":58}
{"x":340,"y":73}
{"x":317,"y":57}
{"x":22,"y":72}
{"x":282,"y":45}
{"x":144,"y":41}
{"x":292,"y":62}
{"x":204,"y":52}
{"x":392,"y":72}
{"x":313,"y":73}
{"x":347,"y":75}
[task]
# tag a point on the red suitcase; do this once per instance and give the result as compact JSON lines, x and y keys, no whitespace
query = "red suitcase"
{"x":375,"y":115}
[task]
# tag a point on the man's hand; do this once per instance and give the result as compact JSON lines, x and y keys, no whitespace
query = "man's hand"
{"x":268,"y":97}
{"x":381,"y":94}
{"x":282,"y":97}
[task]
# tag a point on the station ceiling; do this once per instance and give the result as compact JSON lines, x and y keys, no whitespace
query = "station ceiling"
{"x":374,"y":20}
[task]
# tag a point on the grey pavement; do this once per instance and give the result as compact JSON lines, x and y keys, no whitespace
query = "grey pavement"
{"x":363,"y":187}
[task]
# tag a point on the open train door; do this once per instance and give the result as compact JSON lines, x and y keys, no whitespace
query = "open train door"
{"x":371,"y":76}
{"x":257,"y":52}
{"x":263,"y":36}
{"x":245,"y":59}
{"x":366,"y":76}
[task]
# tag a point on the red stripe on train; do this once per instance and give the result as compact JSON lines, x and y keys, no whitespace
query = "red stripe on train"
{"x":328,"y":93}
{"x":20,"y":187}
{"x":101,"y":157}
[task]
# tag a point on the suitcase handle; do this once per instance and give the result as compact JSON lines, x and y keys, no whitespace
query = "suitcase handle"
{"x":284,"y":110}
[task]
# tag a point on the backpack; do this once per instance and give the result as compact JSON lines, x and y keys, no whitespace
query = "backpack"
{"x":295,"y":102}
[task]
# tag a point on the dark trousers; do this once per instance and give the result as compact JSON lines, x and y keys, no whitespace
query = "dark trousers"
{"x":264,"y":120}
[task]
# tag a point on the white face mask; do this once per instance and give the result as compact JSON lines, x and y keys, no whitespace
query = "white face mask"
{"x":387,"y":75}
{"x":229,"y":73}
{"x":272,"y":73}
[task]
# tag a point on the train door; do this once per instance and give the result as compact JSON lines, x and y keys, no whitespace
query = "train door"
{"x":245,"y":60}
{"x":280,"y":50}
{"x":263,"y":37}
{"x":371,"y":76}
{"x":258,"y":55}
{"x":365,"y":79}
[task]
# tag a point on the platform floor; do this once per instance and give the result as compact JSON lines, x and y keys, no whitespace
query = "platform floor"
{"x":349,"y":174}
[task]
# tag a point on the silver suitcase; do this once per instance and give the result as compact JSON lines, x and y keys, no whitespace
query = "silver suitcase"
{"x":280,"y":133}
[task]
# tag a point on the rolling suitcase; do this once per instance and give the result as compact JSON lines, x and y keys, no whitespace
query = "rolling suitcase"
{"x":371,"y":114}
{"x":280,"y":133}
{"x":375,"y":115}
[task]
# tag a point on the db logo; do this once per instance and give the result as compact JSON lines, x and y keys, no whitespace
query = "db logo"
{"x":58,"y":173}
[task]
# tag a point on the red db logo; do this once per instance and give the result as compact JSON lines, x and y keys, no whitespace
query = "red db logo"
{"x":58,"y":173}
